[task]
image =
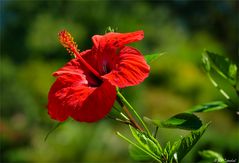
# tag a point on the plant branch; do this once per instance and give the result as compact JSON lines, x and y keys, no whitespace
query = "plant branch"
{"x":131,"y":118}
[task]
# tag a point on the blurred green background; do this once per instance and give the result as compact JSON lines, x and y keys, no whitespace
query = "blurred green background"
{"x":30,"y":52}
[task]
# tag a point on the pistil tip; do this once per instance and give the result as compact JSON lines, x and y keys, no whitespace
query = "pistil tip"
{"x":67,"y":41}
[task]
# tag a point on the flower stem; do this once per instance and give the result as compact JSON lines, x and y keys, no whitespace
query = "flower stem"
{"x":132,"y":120}
{"x":127,"y":104}
{"x":130,"y":117}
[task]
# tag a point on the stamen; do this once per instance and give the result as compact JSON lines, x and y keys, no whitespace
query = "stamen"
{"x":68,"y":42}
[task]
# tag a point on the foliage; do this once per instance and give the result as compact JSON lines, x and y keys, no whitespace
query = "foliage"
{"x":187,"y":143}
{"x":148,"y":148}
{"x":222,"y":65}
{"x":214,"y":63}
{"x":185,"y":121}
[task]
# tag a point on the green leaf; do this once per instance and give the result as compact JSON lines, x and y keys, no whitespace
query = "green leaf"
{"x":152,"y":57}
{"x":137,"y":136}
{"x":233,"y":72}
{"x":169,"y":154}
{"x":184,"y":145}
{"x":145,"y":141}
{"x":155,"y":157}
{"x":207,"y":107}
{"x":153,"y":146}
{"x":139,"y":155}
{"x":166,"y":151}
{"x":222,"y":65}
{"x":151,"y":121}
{"x":184,"y":121}
{"x":211,"y":156}
{"x":173,"y":154}
{"x":206,"y":62}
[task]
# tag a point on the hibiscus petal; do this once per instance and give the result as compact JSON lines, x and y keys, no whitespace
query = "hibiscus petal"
{"x":65,"y":96}
{"x":97,"y":105}
{"x":76,"y":68}
{"x":73,"y":66}
{"x":56,"y":108}
{"x":107,"y":46}
{"x":130,"y":68}
{"x":116,"y":40}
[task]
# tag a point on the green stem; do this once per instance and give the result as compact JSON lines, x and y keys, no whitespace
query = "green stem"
{"x":53,"y":129}
{"x":127,"y":104}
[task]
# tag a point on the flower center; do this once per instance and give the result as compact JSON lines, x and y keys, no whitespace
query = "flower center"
{"x":106,"y":67}
{"x":93,"y":81}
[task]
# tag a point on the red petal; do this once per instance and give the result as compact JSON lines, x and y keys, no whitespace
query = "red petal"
{"x":130,"y":68}
{"x":65,"y":96}
{"x":73,"y":67}
{"x":55,"y":105}
{"x":116,"y":40}
{"x":106,"y":46}
{"x":97,"y":105}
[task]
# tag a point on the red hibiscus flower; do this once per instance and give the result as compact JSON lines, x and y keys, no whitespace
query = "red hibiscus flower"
{"x":85,"y":88}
